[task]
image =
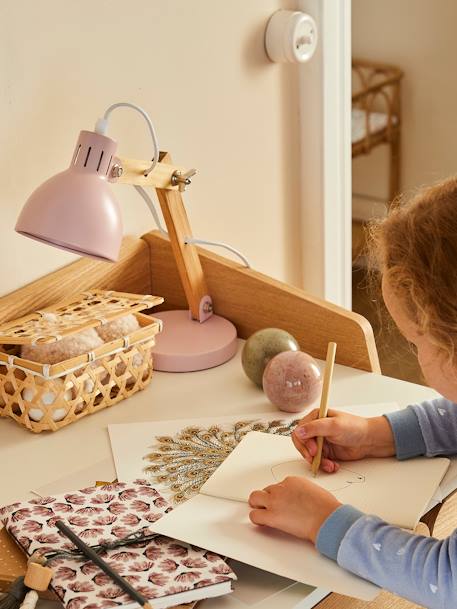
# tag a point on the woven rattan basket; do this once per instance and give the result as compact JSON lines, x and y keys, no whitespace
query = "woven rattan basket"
{"x":47,"y":397}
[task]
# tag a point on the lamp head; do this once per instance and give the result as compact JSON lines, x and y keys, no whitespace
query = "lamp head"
{"x":75,"y":210}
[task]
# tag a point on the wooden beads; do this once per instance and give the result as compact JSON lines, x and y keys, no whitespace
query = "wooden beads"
{"x":37,"y":577}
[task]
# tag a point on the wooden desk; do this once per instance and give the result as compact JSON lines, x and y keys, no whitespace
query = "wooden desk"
{"x":250,"y":300}
{"x":41,"y":459}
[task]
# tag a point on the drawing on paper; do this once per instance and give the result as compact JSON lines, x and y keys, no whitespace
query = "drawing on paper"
{"x":342,"y":479}
{"x":185,"y":461}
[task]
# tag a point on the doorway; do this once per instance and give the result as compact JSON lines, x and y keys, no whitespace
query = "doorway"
{"x":422,"y":51}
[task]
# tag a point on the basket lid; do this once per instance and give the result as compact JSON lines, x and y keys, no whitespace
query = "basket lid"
{"x":86,"y":310}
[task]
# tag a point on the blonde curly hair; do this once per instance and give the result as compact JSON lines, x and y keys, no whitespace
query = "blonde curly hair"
{"x":415,"y":249}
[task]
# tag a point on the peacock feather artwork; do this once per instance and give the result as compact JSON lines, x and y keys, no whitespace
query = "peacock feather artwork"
{"x":185,"y":461}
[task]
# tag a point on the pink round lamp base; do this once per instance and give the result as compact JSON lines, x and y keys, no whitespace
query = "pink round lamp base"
{"x":186,"y":345}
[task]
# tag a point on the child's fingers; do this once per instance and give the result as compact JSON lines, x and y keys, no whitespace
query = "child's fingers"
{"x":312,"y":414}
{"x":261,"y":517}
{"x":308,"y":446}
{"x":272,"y":487}
{"x":311,"y":445}
{"x":325,"y":427}
{"x":309,"y":449}
{"x":258,"y":499}
{"x":329,"y":466}
{"x":302,"y":449}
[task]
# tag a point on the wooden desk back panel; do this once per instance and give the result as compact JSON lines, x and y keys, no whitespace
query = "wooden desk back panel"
{"x":253,"y":301}
{"x":130,"y":274}
{"x":249,"y":299}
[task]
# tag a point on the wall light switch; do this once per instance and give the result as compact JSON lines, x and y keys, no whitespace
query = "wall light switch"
{"x":291,"y":36}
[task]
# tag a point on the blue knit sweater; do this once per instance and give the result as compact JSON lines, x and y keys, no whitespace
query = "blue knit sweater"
{"x":421,"y":569}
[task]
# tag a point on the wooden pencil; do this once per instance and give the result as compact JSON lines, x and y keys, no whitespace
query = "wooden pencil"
{"x":95,"y":558}
{"x":328,"y":372}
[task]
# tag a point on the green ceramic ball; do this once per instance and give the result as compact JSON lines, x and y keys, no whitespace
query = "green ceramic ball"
{"x":261,"y":347}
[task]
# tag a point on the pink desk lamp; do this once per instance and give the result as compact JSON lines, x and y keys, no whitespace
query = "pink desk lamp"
{"x":75,"y":210}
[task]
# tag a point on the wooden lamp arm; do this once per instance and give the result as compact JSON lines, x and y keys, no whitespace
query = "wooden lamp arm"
{"x":186,"y":255}
{"x":160,"y":177}
{"x":168,"y":180}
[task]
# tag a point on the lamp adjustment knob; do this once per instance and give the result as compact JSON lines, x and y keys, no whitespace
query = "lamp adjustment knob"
{"x":182,"y":180}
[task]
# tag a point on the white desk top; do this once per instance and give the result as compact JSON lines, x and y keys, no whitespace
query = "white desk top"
{"x":32,"y":460}
{"x":29,"y":461}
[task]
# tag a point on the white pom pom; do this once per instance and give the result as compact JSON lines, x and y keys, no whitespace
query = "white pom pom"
{"x":123,"y":326}
{"x":47,"y":399}
{"x":66,"y":348}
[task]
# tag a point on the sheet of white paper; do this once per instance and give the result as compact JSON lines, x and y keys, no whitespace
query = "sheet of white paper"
{"x":100,"y":471}
{"x":260,"y":589}
{"x":449,"y":482}
{"x":223,"y":526}
{"x":130,"y":442}
{"x":262,"y":459}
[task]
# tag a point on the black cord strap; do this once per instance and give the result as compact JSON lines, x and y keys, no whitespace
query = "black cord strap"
{"x":136,"y":537}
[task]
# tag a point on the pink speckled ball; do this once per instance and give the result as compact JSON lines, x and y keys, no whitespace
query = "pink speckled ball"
{"x":292,"y":381}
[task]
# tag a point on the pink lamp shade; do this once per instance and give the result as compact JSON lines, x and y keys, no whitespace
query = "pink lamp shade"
{"x":75,"y":210}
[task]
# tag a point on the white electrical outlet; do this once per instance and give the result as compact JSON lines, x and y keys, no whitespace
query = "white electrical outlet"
{"x":291,"y":36}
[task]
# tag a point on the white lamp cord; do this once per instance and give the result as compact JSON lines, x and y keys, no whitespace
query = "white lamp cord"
{"x":102,"y":127}
{"x":188,"y":240}
{"x":191,"y":240}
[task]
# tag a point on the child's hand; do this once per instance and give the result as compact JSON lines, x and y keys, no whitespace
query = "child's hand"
{"x":346,"y":438}
{"x":295,"y":505}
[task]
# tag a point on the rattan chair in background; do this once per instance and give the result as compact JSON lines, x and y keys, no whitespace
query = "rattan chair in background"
{"x":376,"y":114}
{"x":376,"y":120}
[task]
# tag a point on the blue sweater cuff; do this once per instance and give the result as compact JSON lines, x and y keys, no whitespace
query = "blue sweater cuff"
{"x":409,"y":441}
{"x":335,"y":528}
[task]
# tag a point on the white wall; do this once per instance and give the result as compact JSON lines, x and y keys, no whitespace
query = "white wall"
{"x":420,"y":37}
{"x":199,"y":68}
